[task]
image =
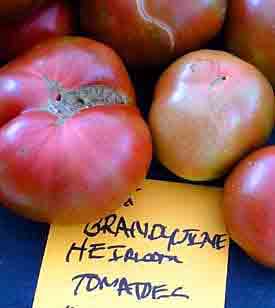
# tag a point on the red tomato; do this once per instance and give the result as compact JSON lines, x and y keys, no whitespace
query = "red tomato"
{"x":210,"y":108}
{"x":152,"y":32}
{"x":14,"y":9}
{"x":73,"y":145}
{"x":250,"y":33}
{"x":48,"y":21}
{"x":249,"y":205}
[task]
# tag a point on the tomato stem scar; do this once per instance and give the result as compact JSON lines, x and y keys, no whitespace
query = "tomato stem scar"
{"x":67,"y":102}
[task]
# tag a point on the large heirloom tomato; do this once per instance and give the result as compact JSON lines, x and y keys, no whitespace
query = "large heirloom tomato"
{"x":210,"y":108}
{"x":250,"y":33}
{"x":249,"y":205}
{"x":14,"y":9}
{"x":148,"y":32}
{"x":73,"y":144}
{"x":50,"y":20}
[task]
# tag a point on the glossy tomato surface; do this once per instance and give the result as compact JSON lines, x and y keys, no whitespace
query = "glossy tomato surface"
{"x":209,"y":109}
{"x":17,"y":9}
{"x":50,"y":20}
{"x":149,"y":32}
{"x":73,"y":144}
{"x":250,"y":33}
{"x":249,"y":205}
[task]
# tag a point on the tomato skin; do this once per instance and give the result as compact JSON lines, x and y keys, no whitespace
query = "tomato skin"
{"x":79,"y":169}
{"x":250,"y":33}
{"x":202,"y":119}
{"x":50,"y":20}
{"x":23,"y":81}
{"x":149,"y":33}
{"x":249,"y":205}
{"x":76,"y":171}
{"x":17,"y":9}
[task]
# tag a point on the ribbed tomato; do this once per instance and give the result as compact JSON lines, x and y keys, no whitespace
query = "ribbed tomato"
{"x":73,"y":144}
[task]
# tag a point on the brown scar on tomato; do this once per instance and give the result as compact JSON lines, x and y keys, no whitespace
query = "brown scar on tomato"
{"x":156,"y":22}
{"x":69,"y":102}
{"x":220,"y":76}
{"x":217,"y":80}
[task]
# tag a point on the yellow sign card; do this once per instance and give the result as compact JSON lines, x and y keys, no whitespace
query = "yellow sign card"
{"x":166,"y":245}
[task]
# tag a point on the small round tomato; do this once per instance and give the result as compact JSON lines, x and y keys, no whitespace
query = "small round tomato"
{"x":73,"y":144}
{"x":50,"y":20}
{"x":14,"y":9}
{"x":249,"y":205}
{"x":152,"y":32}
{"x":250,"y":33}
{"x":209,"y":109}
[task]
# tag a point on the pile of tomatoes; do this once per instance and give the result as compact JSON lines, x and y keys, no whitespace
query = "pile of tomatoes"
{"x":73,"y":142}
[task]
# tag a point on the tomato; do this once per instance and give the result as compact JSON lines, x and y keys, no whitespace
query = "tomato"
{"x":152,"y":32}
{"x":14,"y":9}
{"x":209,"y":109}
{"x":50,"y":20}
{"x":250,"y":33}
{"x":249,"y":205}
{"x":73,"y":144}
